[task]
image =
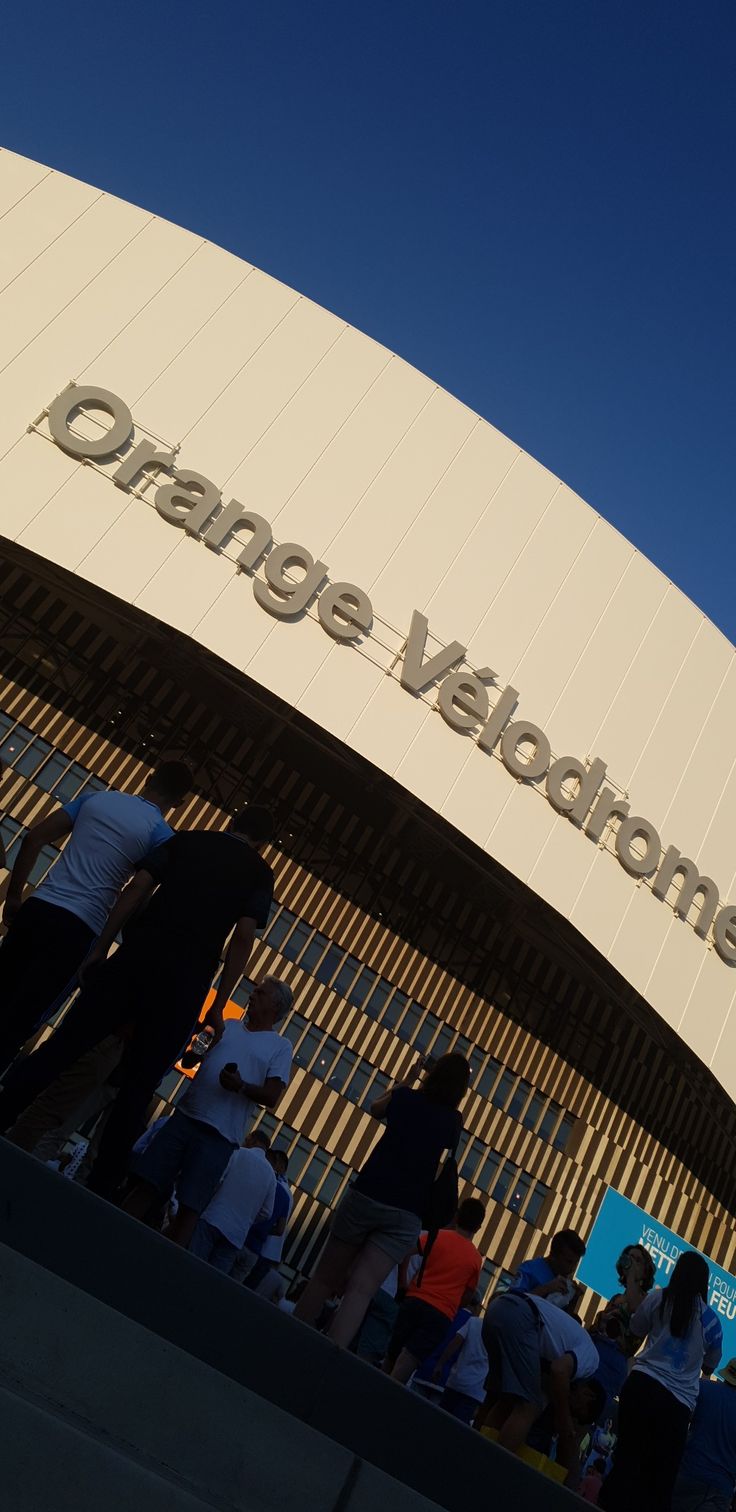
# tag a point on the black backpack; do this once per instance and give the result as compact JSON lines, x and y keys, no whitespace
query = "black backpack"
{"x":442,"y":1205}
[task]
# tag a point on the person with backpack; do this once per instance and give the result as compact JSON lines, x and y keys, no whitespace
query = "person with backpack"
{"x":450,"y":1272}
{"x":684,"y":1338}
{"x":406,"y":1184}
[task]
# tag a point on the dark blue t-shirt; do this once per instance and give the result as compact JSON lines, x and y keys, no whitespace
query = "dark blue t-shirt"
{"x":401,"y":1169}
{"x":710,"y":1455}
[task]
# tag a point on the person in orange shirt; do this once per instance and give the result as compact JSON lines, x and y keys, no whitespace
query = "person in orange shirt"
{"x":451,"y":1269}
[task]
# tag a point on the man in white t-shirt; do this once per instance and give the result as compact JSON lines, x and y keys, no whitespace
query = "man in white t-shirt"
{"x":248,"y":1067}
{"x":537,"y":1353}
{"x":466,"y":1383}
{"x":244,"y":1195}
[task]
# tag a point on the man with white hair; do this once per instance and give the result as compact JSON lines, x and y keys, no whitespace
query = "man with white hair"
{"x":248,"y":1067}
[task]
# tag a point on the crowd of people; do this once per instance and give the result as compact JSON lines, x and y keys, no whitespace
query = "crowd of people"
{"x":134,"y":919}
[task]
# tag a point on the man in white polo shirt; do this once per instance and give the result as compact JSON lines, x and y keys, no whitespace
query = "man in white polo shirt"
{"x":248,"y":1067}
{"x":50,"y":933}
{"x":244,"y":1196}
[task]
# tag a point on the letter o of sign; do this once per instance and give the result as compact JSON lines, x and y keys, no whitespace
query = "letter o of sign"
{"x":83,"y":397}
{"x":538,"y":762}
{"x":629,"y":830}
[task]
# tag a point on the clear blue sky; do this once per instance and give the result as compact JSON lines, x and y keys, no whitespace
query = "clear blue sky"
{"x":531,"y":200}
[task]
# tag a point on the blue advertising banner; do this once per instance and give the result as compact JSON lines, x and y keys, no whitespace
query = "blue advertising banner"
{"x":619,"y":1223}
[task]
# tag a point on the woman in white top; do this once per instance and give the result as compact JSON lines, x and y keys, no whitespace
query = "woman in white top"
{"x":683,"y":1337}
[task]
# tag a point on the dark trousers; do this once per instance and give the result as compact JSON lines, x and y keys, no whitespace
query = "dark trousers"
{"x":259,"y":1271}
{"x":153,"y":992}
{"x":39,"y":958}
{"x":652,"y":1433}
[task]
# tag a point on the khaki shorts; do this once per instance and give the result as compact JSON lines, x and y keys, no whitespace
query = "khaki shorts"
{"x":361,"y":1220}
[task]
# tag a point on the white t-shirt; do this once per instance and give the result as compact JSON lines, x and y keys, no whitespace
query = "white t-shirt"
{"x":469,"y":1372}
{"x":677,"y":1363}
{"x":258,"y":1054}
{"x":111,"y":833}
{"x":273,"y":1247}
{"x":244,"y":1196}
{"x":562,"y":1334}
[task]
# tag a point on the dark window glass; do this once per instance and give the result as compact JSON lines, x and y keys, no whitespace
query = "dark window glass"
{"x":269,"y":1124}
{"x":42,"y":864}
{"x":315,"y":1172}
{"x":328,"y":1053}
{"x":299,"y":1157}
{"x":378,"y":1086}
{"x":410,"y":1022}
{"x":503,"y":1091}
{"x":334,"y":1181}
{"x":474,"y":1155}
{"x":507,"y":1177}
{"x":346,"y":975}
{"x":294,"y":1028}
{"x":12,"y":835}
{"x":168,"y":1086}
{"x":300,"y":934}
{"x":309,"y":1047}
{"x":14,"y":744}
{"x":242,"y":992}
{"x":31,"y":758}
{"x":279,"y":928}
{"x":426,"y":1032}
{"x":395,"y":1009}
{"x":488,"y":1171}
{"x":519,"y":1192}
{"x":536,"y":1202}
{"x":51,"y":773}
{"x":488,"y":1275}
{"x":462,"y":1046}
{"x":361,"y":986}
{"x":316,"y":948}
{"x":504,"y":1282}
{"x":488,"y":1078}
{"x":376,"y":1003}
{"x":6,"y":725}
{"x":522,"y":1092}
{"x":562,"y":1134}
{"x":550,"y":1121}
{"x":359,"y":1080}
{"x":443,"y":1042}
{"x":534,"y":1111}
{"x":95,"y":785}
{"x":72,"y":783}
{"x":329,"y":964}
{"x":342,"y":1070}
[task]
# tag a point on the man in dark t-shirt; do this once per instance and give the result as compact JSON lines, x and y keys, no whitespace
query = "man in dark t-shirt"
{"x":176,"y":914}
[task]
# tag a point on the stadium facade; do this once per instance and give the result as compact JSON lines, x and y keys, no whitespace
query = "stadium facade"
{"x":498,"y":741}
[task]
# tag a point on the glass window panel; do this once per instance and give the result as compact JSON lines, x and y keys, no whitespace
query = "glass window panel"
{"x":268,"y":1124}
{"x":95,"y":785}
{"x":488,"y":1078}
{"x":31,"y":758}
{"x":362,"y":986}
{"x":426,"y":1032}
{"x":472,"y":1159}
{"x":488,"y":1171}
{"x":503,"y":1090}
{"x":564,"y":1131}
{"x":522,"y":1092}
{"x":488,"y":1275}
{"x":314,"y":1173}
{"x":519,"y":1192}
{"x":12,"y":833}
{"x":309,"y":1047}
{"x":294,"y":1027}
{"x":377,"y":1001}
{"x":6,"y":724}
{"x":395,"y":1009}
{"x":299,"y":1157}
{"x":536,"y":1202}
{"x":462,"y":1046}
{"x":507,"y":1177}
{"x":550,"y":1121}
{"x":359,"y":1080}
{"x":410,"y":1022}
{"x":342,"y":1070}
{"x":378,"y":1086}
{"x":71,"y":783}
{"x":476,"y":1059}
{"x":328,"y":1053}
{"x":443,"y":1041}
{"x":294,"y":945}
{"x":335,"y":1179}
{"x":316,"y":948}
{"x":503,"y":1283}
{"x":51,"y":772}
{"x":346,"y":975}
{"x":534,"y":1111}
{"x":15,"y":743}
{"x":168,"y":1086}
{"x":279,"y":928}
{"x":242,"y":992}
{"x":329,"y":964}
